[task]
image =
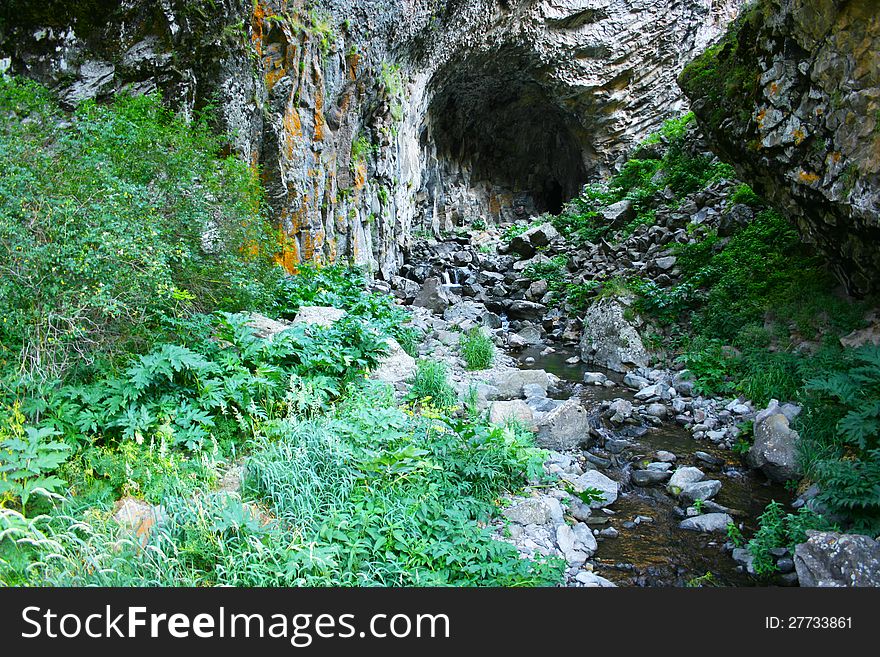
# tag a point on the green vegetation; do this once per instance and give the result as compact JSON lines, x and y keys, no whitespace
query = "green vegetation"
{"x":726,"y":75}
{"x":841,"y":437}
{"x":125,"y":220}
{"x":391,"y":80}
{"x":130,"y":367}
{"x":641,"y":182}
{"x":477,"y":349}
{"x":431,"y":386}
{"x":781,"y":530}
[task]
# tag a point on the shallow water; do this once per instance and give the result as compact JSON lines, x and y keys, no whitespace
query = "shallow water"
{"x":659,"y":553}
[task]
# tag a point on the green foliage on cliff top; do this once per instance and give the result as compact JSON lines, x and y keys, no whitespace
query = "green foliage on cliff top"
{"x":723,"y":80}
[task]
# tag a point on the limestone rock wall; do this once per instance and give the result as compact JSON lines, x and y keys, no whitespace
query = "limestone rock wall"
{"x":373,"y":119}
{"x":791,"y":98}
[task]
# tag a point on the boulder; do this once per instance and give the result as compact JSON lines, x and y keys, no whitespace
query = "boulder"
{"x":318,"y":315}
{"x":774,"y":451}
{"x":433,"y":296}
{"x":682,"y":477}
{"x":649,"y":477}
{"x":526,"y":243}
{"x":708,"y":522}
{"x":609,"y":339}
{"x":833,"y":559}
{"x":532,"y":511}
{"x":264,"y":327}
{"x":502,"y":411}
{"x":510,"y":383}
{"x":565,"y":427}
{"x":395,"y":366}
{"x":595,"y":479}
{"x":700,"y":490}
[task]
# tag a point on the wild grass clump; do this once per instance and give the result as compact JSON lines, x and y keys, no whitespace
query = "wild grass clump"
{"x":431,"y":384}
{"x":477,"y":349}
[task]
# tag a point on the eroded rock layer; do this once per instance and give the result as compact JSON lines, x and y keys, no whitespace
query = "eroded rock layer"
{"x":374,"y":119}
{"x":791,"y":97}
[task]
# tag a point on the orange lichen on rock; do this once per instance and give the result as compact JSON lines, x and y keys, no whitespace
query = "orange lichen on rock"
{"x":292,"y":129}
{"x":360,"y":175}
{"x":353,"y":60}
{"x":799,"y":136}
{"x":808,"y":177}
{"x":319,"y":112}
{"x":258,"y":19}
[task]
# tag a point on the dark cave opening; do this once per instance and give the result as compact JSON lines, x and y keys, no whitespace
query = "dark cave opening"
{"x":492,"y":114}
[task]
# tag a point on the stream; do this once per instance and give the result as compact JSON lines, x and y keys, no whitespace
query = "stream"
{"x":658,"y":552}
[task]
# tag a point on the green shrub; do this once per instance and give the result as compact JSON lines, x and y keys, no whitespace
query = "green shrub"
{"x":114,"y":219}
{"x":779,"y":529}
{"x":744,"y":194}
{"x":477,"y":349}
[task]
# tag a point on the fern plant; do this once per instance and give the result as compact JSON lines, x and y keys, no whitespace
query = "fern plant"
{"x":849,"y":470}
{"x":28,"y":459}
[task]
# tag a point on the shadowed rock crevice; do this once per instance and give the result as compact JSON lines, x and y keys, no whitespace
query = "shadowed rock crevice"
{"x":493,"y":119}
{"x":501,"y":135}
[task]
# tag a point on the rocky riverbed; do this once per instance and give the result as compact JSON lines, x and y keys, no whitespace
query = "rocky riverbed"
{"x":646,"y":484}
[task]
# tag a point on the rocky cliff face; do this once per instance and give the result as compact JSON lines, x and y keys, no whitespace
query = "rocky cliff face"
{"x":371,"y":120}
{"x":791,"y":97}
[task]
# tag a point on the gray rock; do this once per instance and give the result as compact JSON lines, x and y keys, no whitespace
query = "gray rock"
{"x":396,"y":366}
{"x":621,"y":410}
{"x":656,"y":410}
{"x":609,"y":339}
{"x":700,"y":490}
{"x":595,"y":378}
{"x":585,"y":541}
{"x":532,"y":511}
{"x":683,"y":476}
{"x":264,"y":327}
{"x":833,"y":559}
{"x":649,"y":477}
{"x":666,"y":457}
{"x":635,"y":381}
{"x":517,"y":410}
{"x":744,"y":558}
{"x":565,"y":427}
{"x":708,"y":522}
{"x":592,"y":580}
{"x":656,"y":390}
{"x":666,"y":263}
{"x":595,"y":479}
{"x":433,"y":296}
{"x":526,"y":243}
{"x":774,"y":451}
{"x":510,"y":383}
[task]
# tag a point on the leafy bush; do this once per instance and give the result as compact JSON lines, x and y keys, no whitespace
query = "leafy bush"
{"x":779,"y":529}
{"x":477,"y":349}
{"x":29,"y":457}
{"x":368,"y":495}
{"x":114,"y":219}
{"x":744,"y":194}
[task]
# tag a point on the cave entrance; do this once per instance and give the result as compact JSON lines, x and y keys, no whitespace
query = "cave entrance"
{"x":493,"y":117}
